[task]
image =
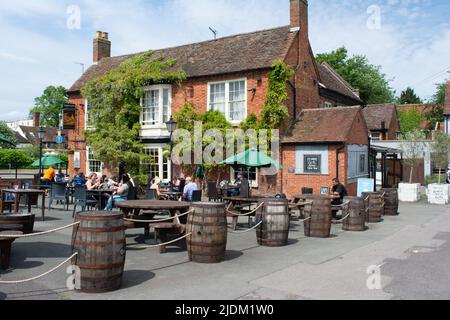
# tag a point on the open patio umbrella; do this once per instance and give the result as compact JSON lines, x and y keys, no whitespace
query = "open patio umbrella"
{"x":48,"y":161}
{"x":253,"y":159}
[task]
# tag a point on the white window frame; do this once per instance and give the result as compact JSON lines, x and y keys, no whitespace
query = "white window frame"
{"x":160,"y":149}
{"x":161,"y":88}
{"x":253,"y":184}
{"x":378,"y":136}
{"x":328,"y":105}
{"x":227,"y":98}
{"x":88,"y":163}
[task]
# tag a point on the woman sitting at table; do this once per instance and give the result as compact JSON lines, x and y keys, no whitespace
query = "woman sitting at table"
{"x":92,"y":182}
{"x":176,"y":184}
{"x":155,"y":186}
{"x":121,"y":193}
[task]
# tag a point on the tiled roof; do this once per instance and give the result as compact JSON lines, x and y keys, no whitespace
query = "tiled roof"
{"x":323,"y":125}
{"x":447,"y":99}
{"x":375,"y":114}
{"x":249,"y":51}
{"x":333,"y":81}
{"x":31,"y":135}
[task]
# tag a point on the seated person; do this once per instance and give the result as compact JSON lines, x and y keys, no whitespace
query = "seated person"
{"x":176,"y":184}
{"x":112,"y":182}
{"x":121,"y":193}
{"x":93,"y":182}
{"x":339,"y":190}
{"x":49,"y":176}
{"x":60,"y":177}
{"x":234,"y":192}
{"x":189,"y":189}
{"x":79,"y":180}
{"x":156,"y":186}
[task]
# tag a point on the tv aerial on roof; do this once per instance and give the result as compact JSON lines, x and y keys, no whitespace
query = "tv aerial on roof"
{"x":215,"y":32}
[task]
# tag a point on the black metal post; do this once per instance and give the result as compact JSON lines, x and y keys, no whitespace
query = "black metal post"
{"x":171,"y":162}
{"x":40,"y":158}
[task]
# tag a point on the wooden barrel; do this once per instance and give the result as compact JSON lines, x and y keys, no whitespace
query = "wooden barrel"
{"x":357,"y":214}
{"x":208,"y":225}
{"x":319,"y":212}
{"x":275,"y":217}
{"x":390,"y":202}
{"x":25,"y":220}
{"x":375,"y":206}
{"x":101,"y":245}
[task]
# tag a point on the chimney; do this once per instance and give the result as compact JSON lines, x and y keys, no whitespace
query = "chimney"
{"x":299,"y":16}
{"x":447,"y":99}
{"x":102,"y":46}
{"x":36,"y":119}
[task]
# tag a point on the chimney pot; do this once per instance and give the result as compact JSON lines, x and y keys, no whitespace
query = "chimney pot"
{"x":36,"y":119}
{"x":102,"y":46}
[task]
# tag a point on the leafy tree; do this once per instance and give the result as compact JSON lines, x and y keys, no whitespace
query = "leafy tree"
{"x":440,"y":152}
{"x":413,"y":146}
{"x":14,"y":159}
{"x":7,"y":137}
{"x":436,"y":115}
{"x":410,"y":120}
{"x":49,"y":105}
{"x":408,"y":96}
{"x":360,"y":74}
{"x":115,"y":100}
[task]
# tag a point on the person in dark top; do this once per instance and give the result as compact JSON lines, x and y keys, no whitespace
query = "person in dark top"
{"x":339,"y":190}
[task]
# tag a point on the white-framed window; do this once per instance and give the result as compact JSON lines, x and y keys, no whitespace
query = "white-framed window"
{"x":156,"y":105}
{"x":328,"y":105}
{"x":230,"y":98}
{"x":251,"y":174}
{"x":88,"y":118}
{"x":376,"y":136}
{"x":93,"y":165}
{"x":158,"y":164}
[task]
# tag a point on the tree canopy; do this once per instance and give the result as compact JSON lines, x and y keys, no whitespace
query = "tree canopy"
{"x":408,"y":96}
{"x":115,"y":100}
{"x":14,"y":159}
{"x":49,"y":105}
{"x":360,"y":74}
{"x":7,"y":137}
{"x":410,"y":120}
{"x":440,"y":151}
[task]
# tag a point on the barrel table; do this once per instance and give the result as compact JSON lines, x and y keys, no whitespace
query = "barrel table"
{"x":318,"y":217}
{"x":390,"y":201}
{"x":208,"y":226}
{"x":5,"y":247}
{"x":374,"y":206}
{"x":356,"y":211}
{"x":100,"y":242}
{"x":275,"y":217}
{"x":25,"y":220}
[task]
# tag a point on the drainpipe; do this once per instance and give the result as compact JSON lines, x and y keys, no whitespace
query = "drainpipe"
{"x":337,"y":158}
{"x":294,"y":88}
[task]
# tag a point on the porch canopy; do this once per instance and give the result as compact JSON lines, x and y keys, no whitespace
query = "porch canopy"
{"x":253,"y":159}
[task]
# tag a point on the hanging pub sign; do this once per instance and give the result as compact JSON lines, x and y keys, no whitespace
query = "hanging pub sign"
{"x":69,"y":117}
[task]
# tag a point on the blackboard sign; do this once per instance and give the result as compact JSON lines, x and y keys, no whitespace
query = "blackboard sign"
{"x":312,"y":163}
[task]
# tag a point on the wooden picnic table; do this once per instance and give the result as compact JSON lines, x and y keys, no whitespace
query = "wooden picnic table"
{"x":23,"y":192}
{"x":136,"y":206}
{"x":239,"y":200}
{"x":172,"y":195}
{"x":315,"y":196}
{"x":100,"y":193}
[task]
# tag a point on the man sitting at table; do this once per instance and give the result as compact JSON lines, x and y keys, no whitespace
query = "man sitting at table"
{"x":189,"y":189}
{"x":339,"y":190}
{"x":49,"y":176}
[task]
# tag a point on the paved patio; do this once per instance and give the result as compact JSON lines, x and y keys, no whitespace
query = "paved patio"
{"x":412,"y":250}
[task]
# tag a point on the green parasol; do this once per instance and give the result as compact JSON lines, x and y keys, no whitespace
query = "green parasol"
{"x":253,"y":159}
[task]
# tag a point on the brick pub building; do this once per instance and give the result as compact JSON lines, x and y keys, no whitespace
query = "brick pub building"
{"x":231,"y":75}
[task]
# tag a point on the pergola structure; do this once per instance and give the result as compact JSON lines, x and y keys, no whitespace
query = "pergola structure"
{"x":394,"y":171}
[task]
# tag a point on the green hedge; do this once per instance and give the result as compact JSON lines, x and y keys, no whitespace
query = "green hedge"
{"x":435,"y":179}
{"x":14,"y":159}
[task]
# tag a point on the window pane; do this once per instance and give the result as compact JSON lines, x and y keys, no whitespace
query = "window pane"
{"x":94,"y":165}
{"x":217,"y":97}
{"x":151,"y":107}
{"x":151,"y":166}
{"x":237,"y":101}
{"x":166,"y":106}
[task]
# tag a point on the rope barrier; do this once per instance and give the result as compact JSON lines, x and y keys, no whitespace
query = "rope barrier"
{"x":162,"y":220}
{"x":248,"y":230}
{"x":39,"y":233}
{"x":163,"y":244}
{"x":42,"y":275}
{"x":343,"y":219}
{"x":304,"y":220}
{"x":246,"y":214}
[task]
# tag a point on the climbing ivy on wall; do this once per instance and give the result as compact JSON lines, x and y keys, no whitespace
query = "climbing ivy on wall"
{"x":115,"y":101}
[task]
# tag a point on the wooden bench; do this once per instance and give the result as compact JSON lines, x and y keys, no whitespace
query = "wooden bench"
{"x":5,"y":248}
{"x":25,"y":220}
{"x":163,"y":230}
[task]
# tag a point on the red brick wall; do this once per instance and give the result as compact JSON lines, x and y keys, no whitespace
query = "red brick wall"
{"x":76,"y":141}
{"x":393,"y":128}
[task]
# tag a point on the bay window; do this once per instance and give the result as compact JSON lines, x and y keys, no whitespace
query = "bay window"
{"x":230,"y":98}
{"x":156,"y":105}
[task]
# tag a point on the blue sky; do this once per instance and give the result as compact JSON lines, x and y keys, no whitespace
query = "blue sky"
{"x":410,"y":39}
